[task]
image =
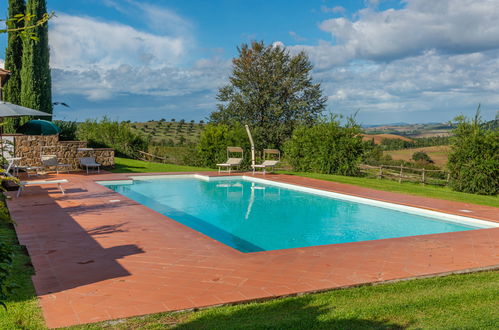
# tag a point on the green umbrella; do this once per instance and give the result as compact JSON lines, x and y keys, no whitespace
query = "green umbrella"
{"x":39,"y":127}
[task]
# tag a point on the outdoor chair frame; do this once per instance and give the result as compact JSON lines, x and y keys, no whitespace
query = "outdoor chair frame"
{"x":231,"y":161}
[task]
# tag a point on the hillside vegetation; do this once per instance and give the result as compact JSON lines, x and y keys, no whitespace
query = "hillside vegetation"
{"x":377,"y":138}
{"x":170,"y":133}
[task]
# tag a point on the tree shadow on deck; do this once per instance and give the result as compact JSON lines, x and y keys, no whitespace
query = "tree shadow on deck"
{"x":63,"y":253}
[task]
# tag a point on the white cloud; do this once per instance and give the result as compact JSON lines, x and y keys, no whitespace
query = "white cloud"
{"x":449,"y":26}
{"x":83,"y":42}
{"x":296,"y":36}
{"x":429,"y":60}
{"x":334,"y":10}
{"x":104,"y":63}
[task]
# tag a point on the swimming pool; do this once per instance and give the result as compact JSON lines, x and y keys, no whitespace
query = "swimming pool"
{"x":252,"y":214}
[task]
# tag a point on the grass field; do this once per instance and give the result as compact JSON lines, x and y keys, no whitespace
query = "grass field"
{"x":171,"y":133}
{"x":439,"y":154}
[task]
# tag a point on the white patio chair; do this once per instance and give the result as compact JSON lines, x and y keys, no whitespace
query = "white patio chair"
{"x":89,"y":162}
{"x":268,"y":163}
{"x":231,"y":161}
{"x":23,"y":184}
{"x":51,"y":161}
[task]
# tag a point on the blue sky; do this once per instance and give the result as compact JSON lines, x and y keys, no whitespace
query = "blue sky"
{"x":392,"y":61}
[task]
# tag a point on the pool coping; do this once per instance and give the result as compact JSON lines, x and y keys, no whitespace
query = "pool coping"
{"x":84,"y":275}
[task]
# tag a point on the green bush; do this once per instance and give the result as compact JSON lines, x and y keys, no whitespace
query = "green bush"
{"x":326,"y":147}
{"x":215,"y":139}
{"x":421,"y":156}
{"x":68,"y":130}
{"x":474,"y":158}
{"x":111,"y":134}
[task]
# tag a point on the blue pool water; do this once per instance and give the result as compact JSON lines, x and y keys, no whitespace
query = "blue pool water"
{"x":252,"y":217}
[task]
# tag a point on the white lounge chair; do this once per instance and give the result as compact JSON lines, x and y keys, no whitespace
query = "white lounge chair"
{"x":51,"y":161}
{"x":268,"y":163}
{"x":89,"y":162}
{"x":12,"y":165}
{"x":23,"y":184}
{"x":231,"y":161}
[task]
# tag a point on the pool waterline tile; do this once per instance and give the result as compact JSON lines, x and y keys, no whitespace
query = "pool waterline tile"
{"x":127,"y":238}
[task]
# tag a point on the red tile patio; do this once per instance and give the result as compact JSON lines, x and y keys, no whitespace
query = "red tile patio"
{"x":99,"y":255}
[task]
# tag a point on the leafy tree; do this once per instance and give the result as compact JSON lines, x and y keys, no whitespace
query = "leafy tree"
{"x":474,"y":157}
{"x":326,"y":147}
{"x":111,"y":134}
{"x":36,"y":87}
{"x":270,"y":89}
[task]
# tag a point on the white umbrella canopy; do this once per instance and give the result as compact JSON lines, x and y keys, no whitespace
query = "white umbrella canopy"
{"x":12,"y":110}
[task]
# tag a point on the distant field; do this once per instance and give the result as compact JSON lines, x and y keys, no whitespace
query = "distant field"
{"x":413,"y":130}
{"x":439,"y":154}
{"x":378,"y":137}
{"x":172,"y":133}
{"x":431,"y":133}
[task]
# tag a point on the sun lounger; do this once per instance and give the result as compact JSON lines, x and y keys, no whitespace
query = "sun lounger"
{"x":89,"y":162}
{"x":51,"y":161}
{"x":231,"y":161}
{"x":268,"y":163}
{"x":12,"y":165}
{"x":23,"y":184}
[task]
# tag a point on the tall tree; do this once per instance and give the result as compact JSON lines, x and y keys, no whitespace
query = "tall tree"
{"x":36,"y":88}
{"x":272,"y":91}
{"x":13,"y":54}
{"x":13,"y":61}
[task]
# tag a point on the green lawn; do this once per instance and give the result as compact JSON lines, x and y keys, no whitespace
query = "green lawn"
{"x":137,"y":166}
{"x":22,"y":311}
{"x":125,"y":165}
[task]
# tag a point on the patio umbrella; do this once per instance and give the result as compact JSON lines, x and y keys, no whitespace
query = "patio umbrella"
{"x":39,"y":127}
{"x":13,"y":110}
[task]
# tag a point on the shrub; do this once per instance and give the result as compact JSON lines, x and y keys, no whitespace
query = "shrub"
{"x":215,"y":139}
{"x":111,"y":134}
{"x":421,"y":156}
{"x":68,"y":130}
{"x":326,"y":147}
{"x":474,"y":158}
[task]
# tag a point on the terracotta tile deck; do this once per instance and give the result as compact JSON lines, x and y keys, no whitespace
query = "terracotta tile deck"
{"x":98,"y":260}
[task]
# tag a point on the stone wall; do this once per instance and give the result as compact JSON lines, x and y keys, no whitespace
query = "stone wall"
{"x":31,"y":147}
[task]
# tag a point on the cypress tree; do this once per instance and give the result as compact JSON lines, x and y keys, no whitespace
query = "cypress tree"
{"x":13,"y":62}
{"x":13,"y":55}
{"x":36,"y":87}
